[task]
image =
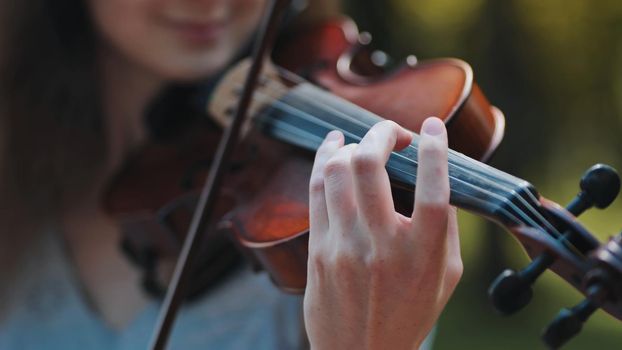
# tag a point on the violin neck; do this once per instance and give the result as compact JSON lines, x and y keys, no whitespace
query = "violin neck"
{"x":307,"y":113}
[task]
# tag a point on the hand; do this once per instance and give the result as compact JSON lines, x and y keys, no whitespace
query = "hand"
{"x":378,"y":279}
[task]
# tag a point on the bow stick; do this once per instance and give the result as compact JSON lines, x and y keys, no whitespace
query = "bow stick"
{"x":201,"y":218}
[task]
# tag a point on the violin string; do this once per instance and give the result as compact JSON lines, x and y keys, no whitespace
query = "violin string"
{"x":480,"y":167}
{"x":367,"y":126}
{"x":513,"y":192}
{"x":297,"y":133}
{"x":473,"y":167}
{"x":496,"y":196}
{"x":453,"y":156}
{"x":467,"y":162}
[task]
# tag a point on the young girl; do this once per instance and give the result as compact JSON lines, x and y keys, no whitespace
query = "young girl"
{"x":77,"y":78}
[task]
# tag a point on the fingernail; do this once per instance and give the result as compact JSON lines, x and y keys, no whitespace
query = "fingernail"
{"x":432,"y":126}
{"x":333,"y":135}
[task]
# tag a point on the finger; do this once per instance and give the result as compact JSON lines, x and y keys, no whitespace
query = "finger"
{"x":454,"y":265}
{"x":339,"y":190}
{"x":318,"y":216}
{"x":432,"y":190}
{"x":453,"y":237}
{"x":372,"y":186}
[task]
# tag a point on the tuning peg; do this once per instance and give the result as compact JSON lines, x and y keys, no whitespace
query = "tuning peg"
{"x":511,"y":290}
{"x":568,"y":323}
{"x":599,"y":185}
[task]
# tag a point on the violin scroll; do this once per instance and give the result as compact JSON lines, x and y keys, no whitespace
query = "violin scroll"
{"x":594,"y":269}
{"x":511,"y":290}
{"x":604,"y":285}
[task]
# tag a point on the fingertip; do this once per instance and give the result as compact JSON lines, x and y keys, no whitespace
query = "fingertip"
{"x":433,"y":126}
{"x":334,"y":135}
{"x":404,"y":138}
{"x":331,"y":142}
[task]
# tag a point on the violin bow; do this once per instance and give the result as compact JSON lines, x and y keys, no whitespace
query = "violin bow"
{"x":176,"y":291}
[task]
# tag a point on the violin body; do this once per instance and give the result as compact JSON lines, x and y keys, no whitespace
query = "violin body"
{"x":337,"y":57}
{"x":273,"y":227}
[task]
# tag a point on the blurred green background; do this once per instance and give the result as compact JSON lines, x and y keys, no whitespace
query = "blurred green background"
{"x":554,"y":68}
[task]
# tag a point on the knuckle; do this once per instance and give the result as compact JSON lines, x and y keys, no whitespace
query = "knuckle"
{"x":336,"y":168}
{"x":389,"y":256}
{"x":457,"y":269}
{"x":458,"y":274}
{"x":434,"y":207}
{"x":316,"y":268}
{"x":364,"y":162}
{"x":387,"y":124}
{"x":317,"y":262}
{"x":343,"y":263}
{"x":431,"y":150}
{"x":454,"y":272}
{"x":316,"y":184}
{"x":388,"y":129}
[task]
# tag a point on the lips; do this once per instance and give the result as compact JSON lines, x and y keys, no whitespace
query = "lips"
{"x":199,"y":32}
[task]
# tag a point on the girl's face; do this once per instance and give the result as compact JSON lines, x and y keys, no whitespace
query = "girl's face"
{"x":176,"y":39}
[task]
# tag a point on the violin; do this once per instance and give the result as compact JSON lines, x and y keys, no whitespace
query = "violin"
{"x":274,"y":225}
{"x":297,"y":112}
{"x":325,"y":79}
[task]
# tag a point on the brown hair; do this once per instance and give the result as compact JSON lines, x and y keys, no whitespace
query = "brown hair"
{"x":49,"y":102}
{"x":52,"y":138}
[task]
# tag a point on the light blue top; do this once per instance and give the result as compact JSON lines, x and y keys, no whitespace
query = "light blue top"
{"x":48,"y":311}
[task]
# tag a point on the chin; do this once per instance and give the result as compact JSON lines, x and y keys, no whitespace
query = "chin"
{"x":194,"y":69}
